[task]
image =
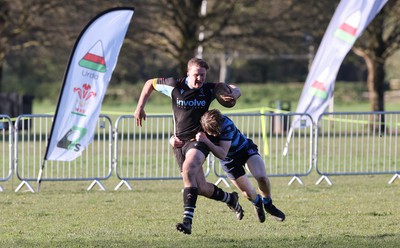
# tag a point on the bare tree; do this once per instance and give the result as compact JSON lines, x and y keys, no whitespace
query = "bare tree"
{"x":18,"y":20}
{"x":380,"y":41}
{"x":172,"y":27}
{"x":247,"y":27}
{"x":41,"y":34}
{"x":4,"y":15}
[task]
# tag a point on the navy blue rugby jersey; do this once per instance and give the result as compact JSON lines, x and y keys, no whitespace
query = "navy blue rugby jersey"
{"x":229,"y":132}
{"x":188,"y":105}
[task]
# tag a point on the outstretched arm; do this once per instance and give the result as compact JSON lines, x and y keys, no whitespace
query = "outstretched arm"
{"x":144,"y":96}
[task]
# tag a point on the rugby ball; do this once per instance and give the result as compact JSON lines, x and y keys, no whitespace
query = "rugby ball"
{"x":223,"y":89}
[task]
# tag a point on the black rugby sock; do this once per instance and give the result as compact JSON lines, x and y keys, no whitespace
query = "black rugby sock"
{"x":189,"y":202}
{"x":220,"y":195}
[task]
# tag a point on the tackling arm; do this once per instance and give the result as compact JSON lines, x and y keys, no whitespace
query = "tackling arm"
{"x":220,"y":150}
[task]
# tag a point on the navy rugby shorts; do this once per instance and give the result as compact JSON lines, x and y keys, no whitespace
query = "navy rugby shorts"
{"x":234,"y":165}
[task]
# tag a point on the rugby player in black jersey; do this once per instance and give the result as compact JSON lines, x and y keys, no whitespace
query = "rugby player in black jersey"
{"x":191,"y":97}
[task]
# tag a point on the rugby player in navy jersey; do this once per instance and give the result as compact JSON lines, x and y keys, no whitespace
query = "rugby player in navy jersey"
{"x":191,"y":97}
{"x":235,"y":150}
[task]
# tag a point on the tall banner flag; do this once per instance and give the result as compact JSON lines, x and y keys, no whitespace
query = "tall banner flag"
{"x":348,"y":22}
{"x":89,"y":71}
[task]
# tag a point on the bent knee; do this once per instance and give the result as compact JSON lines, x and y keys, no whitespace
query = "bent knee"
{"x":262,"y":179}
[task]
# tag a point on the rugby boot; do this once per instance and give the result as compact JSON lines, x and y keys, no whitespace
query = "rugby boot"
{"x":185,"y":226}
{"x":274,"y":211}
{"x":235,"y":206}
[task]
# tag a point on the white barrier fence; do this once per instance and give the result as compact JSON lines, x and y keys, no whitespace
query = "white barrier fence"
{"x":340,"y":144}
{"x":143,"y":153}
{"x":358,"y":144}
{"x":31,"y":137}
{"x":6,"y":140}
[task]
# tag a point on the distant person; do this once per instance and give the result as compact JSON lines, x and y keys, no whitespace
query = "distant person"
{"x":234,"y":151}
{"x":191,"y":96}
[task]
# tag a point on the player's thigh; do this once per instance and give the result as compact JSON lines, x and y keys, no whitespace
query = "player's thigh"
{"x":194,"y":160}
{"x":256,"y":166}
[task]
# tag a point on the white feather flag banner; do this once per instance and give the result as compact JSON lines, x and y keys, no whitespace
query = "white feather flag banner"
{"x":348,"y":22}
{"x":89,"y":71}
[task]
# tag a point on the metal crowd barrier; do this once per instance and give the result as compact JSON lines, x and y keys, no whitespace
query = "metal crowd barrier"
{"x":6,"y":139}
{"x":31,"y":137}
{"x":363,"y":143}
{"x":144,"y":153}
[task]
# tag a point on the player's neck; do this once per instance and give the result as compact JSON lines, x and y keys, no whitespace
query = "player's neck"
{"x":187,"y":83}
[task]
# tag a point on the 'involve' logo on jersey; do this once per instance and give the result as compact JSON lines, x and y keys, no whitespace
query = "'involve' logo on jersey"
{"x":191,"y":103}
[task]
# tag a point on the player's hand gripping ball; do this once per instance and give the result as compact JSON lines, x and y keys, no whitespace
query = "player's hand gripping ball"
{"x":223,"y":94}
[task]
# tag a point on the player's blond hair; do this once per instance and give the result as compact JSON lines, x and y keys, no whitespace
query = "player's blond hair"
{"x":211,"y":122}
{"x":197,"y":62}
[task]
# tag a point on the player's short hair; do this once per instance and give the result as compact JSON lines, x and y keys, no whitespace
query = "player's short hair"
{"x":197,"y":62}
{"x":211,"y":122}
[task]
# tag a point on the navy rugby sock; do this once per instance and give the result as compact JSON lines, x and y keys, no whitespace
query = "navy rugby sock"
{"x":266,"y":201}
{"x":258,"y":198}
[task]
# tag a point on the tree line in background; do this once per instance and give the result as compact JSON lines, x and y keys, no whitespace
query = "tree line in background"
{"x":244,"y":41}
